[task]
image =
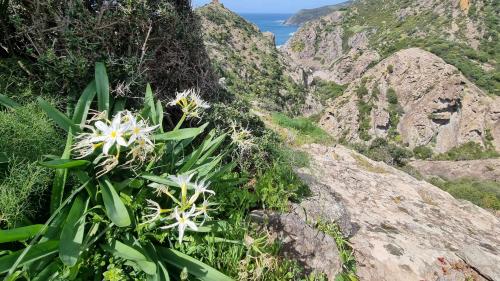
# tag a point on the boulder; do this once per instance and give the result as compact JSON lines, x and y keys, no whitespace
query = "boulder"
{"x":402,"y":228}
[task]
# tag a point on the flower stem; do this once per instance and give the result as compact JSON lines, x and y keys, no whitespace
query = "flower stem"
{"x":180,"y":122}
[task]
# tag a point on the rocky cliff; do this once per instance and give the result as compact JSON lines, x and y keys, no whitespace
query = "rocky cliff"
{"x":307,"y":15}
{"x":247,"y":60}
{"x":417,"y":99}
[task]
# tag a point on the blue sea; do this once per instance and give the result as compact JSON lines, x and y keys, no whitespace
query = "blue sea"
{"x":273,"y":23}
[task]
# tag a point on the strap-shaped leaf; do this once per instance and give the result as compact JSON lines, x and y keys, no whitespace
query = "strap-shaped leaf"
{"x":57,"y":192}
{"x":102,"y":87}
{"x":57,"y":116}
{"x":73,"y":232}
{"x":7,"y":102}
{"x":149,"y":103}
{"x":36,"y":252}
{"x":48,"y":272}
{"x":83,"y":105}
{"x":180,"y":134}
{"x":134,"y":254}
{"x":20,"y":233}
{"x":161,"y":269}
{"x":195,"y":267}
{"x":64,"y":163}
{"x":159,"y":114}
{"x":115,"y":208}
{"x":3,"y":158}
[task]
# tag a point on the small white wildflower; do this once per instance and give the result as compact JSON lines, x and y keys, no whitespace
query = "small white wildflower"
{"x":183,"y":221}
{"x":190,"y":102}
{"x":200,"y":188}
{"x":242,"y":137}
{"x":203,"y":210}
{"x":139,"y":131}
{"x":113,"y":134}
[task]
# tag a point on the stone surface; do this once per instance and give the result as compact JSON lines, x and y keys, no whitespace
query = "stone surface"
{"x":315,"y":250}
{"x":441,"y":108}
{"x":402,"y":228}
{"x":487,"y":169}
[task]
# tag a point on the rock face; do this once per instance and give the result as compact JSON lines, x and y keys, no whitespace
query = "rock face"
{"x":306,"y":15}
{"x":487,"y":169}
{"x":323,"y":50}
{"x":315,"y":250}
{"x":437,"y":106}
{"x":402,"y":228}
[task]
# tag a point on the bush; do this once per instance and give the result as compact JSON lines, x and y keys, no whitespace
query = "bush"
{"x":468,"y":151}
{"x":392,"y":97}
{"x":381,"y":150}
{"x":21,"y":192}
{"x":26,"y":133}
{"x":306,"y":129}
{"x":326,"y":90}
{"x":485,"y":194}
{"x":422,"y":152}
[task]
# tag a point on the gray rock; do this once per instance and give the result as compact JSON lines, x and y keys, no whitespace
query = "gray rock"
{"x":403,"y":228}
{"x":313,"y":249}
{"x":486,"y":169}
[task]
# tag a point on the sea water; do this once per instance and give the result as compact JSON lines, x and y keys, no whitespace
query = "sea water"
{"x":274,"y":24}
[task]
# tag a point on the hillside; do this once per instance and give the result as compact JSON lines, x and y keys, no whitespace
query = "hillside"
{"x":415,"y":98}
{"x":247,"y":60}
{"x":306,"y":15}
{"x":463,"y":33}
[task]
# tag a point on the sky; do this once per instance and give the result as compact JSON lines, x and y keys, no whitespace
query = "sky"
{"x":269,"y":6}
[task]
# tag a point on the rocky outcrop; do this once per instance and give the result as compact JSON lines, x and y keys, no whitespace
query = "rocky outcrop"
{"x":486,"y":169}
{"x":313,"y":249}
{"x":401,"y":228}
{"x":306,"y":15}
{"x":322,"y":49}
{"x":437,"y":106}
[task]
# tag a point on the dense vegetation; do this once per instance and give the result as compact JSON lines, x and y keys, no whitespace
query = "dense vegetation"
{"x":148,"y":48}
{"x":485,"y":194}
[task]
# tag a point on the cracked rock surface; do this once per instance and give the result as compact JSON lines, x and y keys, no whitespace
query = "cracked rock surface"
{"x":401,"y":228}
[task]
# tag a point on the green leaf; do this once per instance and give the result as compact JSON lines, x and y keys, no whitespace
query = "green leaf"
{"x":159,"y":114}
{"x":180,"y":134}
{"x":159,"y":180}
{"x":73,"y":232}
{"x":60,"y":177}
{"x":3,"y":158}
{"x":115,"y":208}
{"x":161,"y":271}
{"x":84,"y":103}
{"x":131,"y":253}
{"x":102,"y":87}
{"x":20,"y":233}
{"x":48,"y":272}
{"x":37,"y":252}
{"x":64,"y":163}
{"x":7,"y":102}
{"x":195,"y":267}
{"x":57,"y":116}
{"x":149,"y":103}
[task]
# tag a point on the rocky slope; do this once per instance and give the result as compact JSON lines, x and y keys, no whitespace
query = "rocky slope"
{"x":306,"y":15}
{"x":400,"y":228}
{"x":417,"y":99}
{"x":247,"y":60}
{"x":342,"y":45}
{"x":486,"y":169}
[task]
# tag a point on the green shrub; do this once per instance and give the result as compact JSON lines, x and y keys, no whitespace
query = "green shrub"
{"x":27,"y":133}
{"x":279,"y":185}
{"x":390,"y":68}
{"x":326,"y":90}
{"x":392,"y":97}
{"x":422,"y":152}
{"x":21,"y":191}
{"x":485,"y":194}
{"x":381,"y":150}
{"x":468,"y":151}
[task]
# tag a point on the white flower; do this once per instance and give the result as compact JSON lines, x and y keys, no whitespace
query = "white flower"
{"x":242,"y":138}
{"x":182,"y":180}
{"x":199,"y":189}
{"x":139,"y":130}
{"x":183,"y":221}
{"x":107,"y":165}
{"x":190,"y":102}
{"x":84,"y":143}
{"x":154,"y":211}
{"x":181,"y":99}
{"x":112,"y":134}
{"x":203,"y":210}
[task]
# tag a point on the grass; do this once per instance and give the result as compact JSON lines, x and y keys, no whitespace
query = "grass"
{"x":304,"y":129}
{"x":485,"y":194}
{"x":346,"y":253}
